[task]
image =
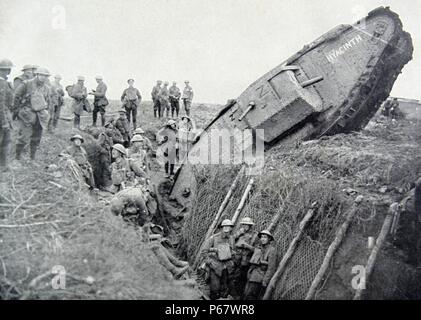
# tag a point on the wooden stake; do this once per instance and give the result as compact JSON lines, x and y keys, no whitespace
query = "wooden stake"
{"x":242,"y":201}
{"x":379,"y":242}
{"x":285,"y":259}
{"x":329,"y":254}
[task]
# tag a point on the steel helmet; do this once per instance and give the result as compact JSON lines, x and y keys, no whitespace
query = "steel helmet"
{"x":166,"y":83}
{"x":266,"y":232}
{"x":77,"y":136}
{"x":247,"y":220}
{"x":29,"y":66}
{"x":122,"y":111}
{"x":98,"y":78}
{"x":227,"y":222}
{"x":120,"y":148}
{"x":138,"y":131}
{"x":137,"y":138}
{"x":6,"y":64}
{"x":80,"y":78}
{"x":171,"y":122}
{"x":42,"y":71}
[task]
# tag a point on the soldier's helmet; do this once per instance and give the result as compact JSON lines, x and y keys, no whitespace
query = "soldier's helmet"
{"x":99,"y":78}
{"x":171,"y":122}
{"x":42,"y":71}
{"x":137,"y":138}
{"x":159,"y":81}
{"x":227,"y":222}
{"x":120,"y":149}
{"x":122,"y":111}
{"x":138,"y":131}
{"x":6,"y":64}
{"x":80,"y":78}
{"x":247,"y":221}
{"x":77,"y":136}
{"x":187,"y":82}
{"x":57,"y":76}
{"x":131,"y":79}
{"x":29,"y":67}
{"x":166,"y":83}
{"x":266,"y":232}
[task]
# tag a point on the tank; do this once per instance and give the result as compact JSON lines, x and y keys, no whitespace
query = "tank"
{"x":333,"y":85}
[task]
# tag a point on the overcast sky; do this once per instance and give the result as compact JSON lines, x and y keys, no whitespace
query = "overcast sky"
{"x":221,"y":46}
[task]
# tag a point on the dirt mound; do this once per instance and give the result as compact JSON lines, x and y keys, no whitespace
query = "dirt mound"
{"x":48,"y":223}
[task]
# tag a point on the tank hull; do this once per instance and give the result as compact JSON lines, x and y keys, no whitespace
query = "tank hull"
{"x":333,"y":85}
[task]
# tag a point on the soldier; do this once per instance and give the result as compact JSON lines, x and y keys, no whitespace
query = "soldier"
{"x":57,"y":102}
{"x":219,"y":250}
{"x":122,"y":125}
{"x":147,"y":144}
{"x":164,"y":99}
{"x":155,"y":99}
{"x":138,"y":158}
{"x":100,"y":101}
{"x":103,"y":174}
{"x":263,"y":266}
{"x":175,"y":95}
{"x":167,"y":140}
{"x":6,"y":103}
{"x":187,"y":97}
{"x":130,"y":203}
{"x":28,"y":74}
{"x":245,"y":240}
{"x":120,"y":168}
{"x":79,"y":155}
{"x":31,"y":104}
{"x":79,"y":94}
{"x":131,"y":99}
{"x":113,"y":133}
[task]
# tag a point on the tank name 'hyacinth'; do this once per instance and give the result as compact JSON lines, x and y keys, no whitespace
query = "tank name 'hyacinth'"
{"x":335,"y":53}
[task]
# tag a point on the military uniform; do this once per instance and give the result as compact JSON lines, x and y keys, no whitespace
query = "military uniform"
{"x":164,"y":100}
{"x":167,"y":138}
{"x":155,"y":100}
{"x":175,"y":95}
{"x":187,"y":98}
{"x":6,"y":103}
{"x":57,"y":101}
{"x":79,"y":94}
{"x":79,"y":155}
{"x":122,"y":125}
{"x":131,"y":99}
{"x":18,"y":81}
{"x":31,"y":104}
{"x":100,"y":102}
{"x":263,"y":266}
{"x":244,"y":245}
{"x":120,"y":173}
{"x":219,"y":249}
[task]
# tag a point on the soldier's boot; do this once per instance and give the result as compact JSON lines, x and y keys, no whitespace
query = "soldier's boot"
{"x":163,"y":259}
{"x":19,"y":150}
{"x":33,"y":151}
{"x":103,"y":119}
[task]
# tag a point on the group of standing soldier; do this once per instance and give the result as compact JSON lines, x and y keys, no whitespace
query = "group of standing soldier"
{"x":165,"y":98}
{"x":239,"y":264}
{"x":31,"y":101}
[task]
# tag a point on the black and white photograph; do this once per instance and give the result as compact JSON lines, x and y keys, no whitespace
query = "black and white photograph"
{"x":225,"y":152}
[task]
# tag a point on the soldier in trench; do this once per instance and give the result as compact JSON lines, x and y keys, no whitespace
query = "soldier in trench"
{"x":219,"y":250}
{"x":262,"y":267}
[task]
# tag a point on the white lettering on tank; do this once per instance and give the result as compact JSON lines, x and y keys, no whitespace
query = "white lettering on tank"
{"x":333,"y":54}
